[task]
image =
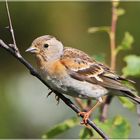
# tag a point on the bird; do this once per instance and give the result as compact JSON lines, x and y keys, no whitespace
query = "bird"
{"x":73,"y":72}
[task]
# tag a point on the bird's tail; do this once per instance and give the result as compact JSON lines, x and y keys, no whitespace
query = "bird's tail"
{"x":117,"y":85}
{"x":131,"y":95}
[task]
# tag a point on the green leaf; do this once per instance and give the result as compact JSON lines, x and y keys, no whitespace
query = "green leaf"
{"x":127,"y":103}
{"x":60,"y":128}
{"x":126,"y":43}
{"x":97,"y":29}
{"x":117,"y":127}
{"x":120,"y":12}
{"x":133,"y":66}
{"x":118,"y":120}
{"x":86,"y":133}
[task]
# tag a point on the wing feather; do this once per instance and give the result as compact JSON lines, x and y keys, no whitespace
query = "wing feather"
{"x":81,"y":67}
{"x":79,"y":62}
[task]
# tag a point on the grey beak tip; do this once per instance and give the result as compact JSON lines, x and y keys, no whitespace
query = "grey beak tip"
{"x":26,"y":50}
{"x":31,"y":49}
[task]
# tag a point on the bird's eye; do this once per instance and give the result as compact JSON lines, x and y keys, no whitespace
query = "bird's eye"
{"x":46,"y":45}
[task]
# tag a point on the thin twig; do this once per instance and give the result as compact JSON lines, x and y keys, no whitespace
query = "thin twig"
{"x":112,"y":35}
{"x":11,"y":27}
{"x":62,"y":97}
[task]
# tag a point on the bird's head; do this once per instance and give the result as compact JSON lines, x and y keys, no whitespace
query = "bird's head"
{"x":46,"y":46}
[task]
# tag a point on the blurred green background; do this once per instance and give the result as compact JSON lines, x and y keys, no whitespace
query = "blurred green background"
{"x":25,"y":112}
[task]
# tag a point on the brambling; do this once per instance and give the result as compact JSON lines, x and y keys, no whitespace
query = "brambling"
{"x":73,"y":72}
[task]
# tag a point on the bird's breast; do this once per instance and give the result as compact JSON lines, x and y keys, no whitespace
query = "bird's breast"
{"x":55,"y":74}
{"x":52,"y":68}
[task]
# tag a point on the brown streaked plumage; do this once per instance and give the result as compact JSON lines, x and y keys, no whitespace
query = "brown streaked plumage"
{"x":74,"y":73}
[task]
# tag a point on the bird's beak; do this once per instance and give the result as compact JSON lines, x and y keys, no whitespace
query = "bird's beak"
{"x":31,"y":49}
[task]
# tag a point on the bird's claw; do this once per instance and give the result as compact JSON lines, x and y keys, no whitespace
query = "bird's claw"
{"x":49,"y":93}
{"x":57,"y":99}
{"x":85,"y":116}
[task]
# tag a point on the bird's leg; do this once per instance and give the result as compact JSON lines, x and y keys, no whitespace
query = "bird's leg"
{"x":86,"y":115}
{"x":57,"y":99}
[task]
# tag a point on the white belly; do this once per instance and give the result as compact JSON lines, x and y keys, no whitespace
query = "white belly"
{"x":75,"y":88}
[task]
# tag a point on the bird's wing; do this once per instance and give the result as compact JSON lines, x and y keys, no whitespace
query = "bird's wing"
{"x":78,"y":62}
{"x":82,"y":67}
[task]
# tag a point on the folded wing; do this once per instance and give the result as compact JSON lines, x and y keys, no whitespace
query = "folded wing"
{"x":82,"y":67}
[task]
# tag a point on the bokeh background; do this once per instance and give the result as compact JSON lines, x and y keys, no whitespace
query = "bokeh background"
{"x":25,"y":112}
